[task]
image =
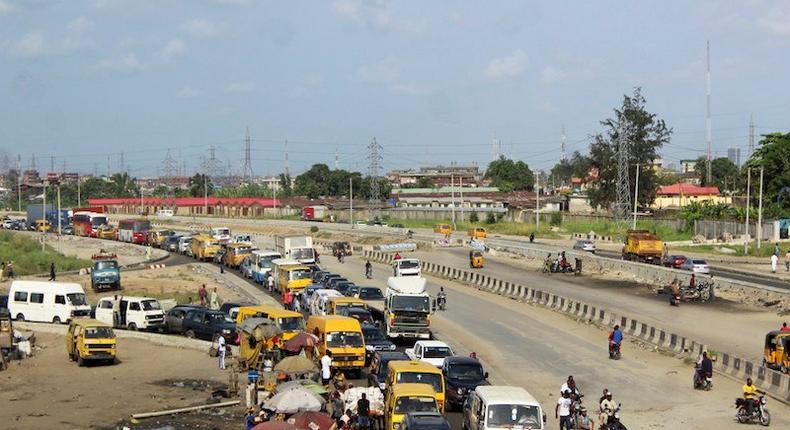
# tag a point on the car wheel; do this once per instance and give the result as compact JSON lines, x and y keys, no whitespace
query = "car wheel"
{"x":132,"y":326}
{"x":80,"y":362}
{"x":190,"y":334}
{"x":20,"y":317}
{"x":56,"y":320}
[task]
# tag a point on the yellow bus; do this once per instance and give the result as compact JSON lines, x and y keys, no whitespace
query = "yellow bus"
{"x":290,"y":322}
{"x":338,"y":304}
{"x":401,"y":371}
{"x":236,"y":253}
{"x":405,"y":398}
{"x":342,"y":336}
{"x":204,"y":247}
{"x":290,"y":275}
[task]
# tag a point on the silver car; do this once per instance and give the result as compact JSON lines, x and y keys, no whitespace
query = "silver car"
{"x":585,"y":245}
{"x":696,"y":265}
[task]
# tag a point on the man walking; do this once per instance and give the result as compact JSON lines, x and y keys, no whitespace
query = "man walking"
{"x":203,"y":294}
{"x":363,"y":412}
{"x":52,"y":271}
{"x":774,"y":262}
{"x":787,"y":261}
{"x":326,"y":367}
{"x":221,"y":352}
{"x":563,"y":411}
{"x":270,"y":282}
{"x":214,"y":300}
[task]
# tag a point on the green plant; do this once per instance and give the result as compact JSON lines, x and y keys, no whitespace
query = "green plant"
{"x":313,"y":229}
{"x":490,"y":218}
{"x":473,"y":218}
{"x":556,"y":218}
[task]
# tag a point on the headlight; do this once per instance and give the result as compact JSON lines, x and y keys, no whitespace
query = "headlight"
{"x":369,"y":348}
{"x":460,"y":391}
{"x":112,"y":346}
{"x":396,"y":426}
{"x":392,"y":347}
{"x":225,"y":331}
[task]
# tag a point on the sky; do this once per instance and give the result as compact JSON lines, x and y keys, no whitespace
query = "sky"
{"x":85,"y":81}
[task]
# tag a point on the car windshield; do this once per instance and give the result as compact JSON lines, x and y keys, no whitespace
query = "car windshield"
{"x":510,"y":416}
{"x":699,"y":262}
{"x":370,"y":294}
{"x":77,"y":299}
{"x":406,"y":404}
{"x":302,"y":254}
{"x":266,"y":262}
{"x":373,"y":334}
{"x":409,"y":264}
{"x":436,"y":352}
{"x":151,"y":305}
{"x":344,"y":338}
{"x":433,"y":379}
{"x":466,"y":371}
{"x":99,"y":333}
{"x":301,"y":274}
{"x":291,"y":323}
{"x":222,"y":232}
{"x":411,"y":303}
{"x":98,"y":220}
{"x":106,"y":264}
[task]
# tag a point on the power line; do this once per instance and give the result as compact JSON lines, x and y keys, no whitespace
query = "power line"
{"x":374,"y":168}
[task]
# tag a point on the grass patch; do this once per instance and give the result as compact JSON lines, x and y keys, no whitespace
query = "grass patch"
{"x":29,"y":259}
{"x":765,"y":250}
{"x":617,"y":230}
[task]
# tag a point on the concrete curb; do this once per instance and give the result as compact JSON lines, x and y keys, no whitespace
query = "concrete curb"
{"x":773,"y":382}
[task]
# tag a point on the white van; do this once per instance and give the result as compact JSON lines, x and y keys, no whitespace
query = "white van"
{"x":406,"y":267}
{"x":135,"y":313}
{"x":320,"y":299}
{"x":56,"y":302}
{"x":221,"y":234}
{"x":164,"y":213}
{"x":185,"y":245}
{"x":499,"y":406}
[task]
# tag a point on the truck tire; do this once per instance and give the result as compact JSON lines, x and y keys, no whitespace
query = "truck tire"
{"x":131,"y":327}
{"x":190,"y":334}
{"x":20,"y":317}
{"x":80,"y":361}
{"x":56,"y":320}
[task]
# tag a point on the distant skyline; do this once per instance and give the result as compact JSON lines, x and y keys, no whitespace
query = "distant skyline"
{"x":435,"y":82}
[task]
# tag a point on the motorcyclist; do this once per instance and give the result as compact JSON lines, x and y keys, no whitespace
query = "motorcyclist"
{"x":570,"y":386}
{"x":608,"y":407}
{"x":750,"y":395}
{"x":409,"y":234}
{"x":704,"y":367}
{"x":339,"y":255}
{"x":674,"y":291}
{"x":531,"y":237}
{"x":615,"y":337}
{"x":368,"y":270}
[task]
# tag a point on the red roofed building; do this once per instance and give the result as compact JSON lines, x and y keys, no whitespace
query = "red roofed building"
{"x":188,"y":206}
{"x":681,"y":194}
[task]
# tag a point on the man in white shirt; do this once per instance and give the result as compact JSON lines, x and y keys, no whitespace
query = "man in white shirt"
{"x":326,"y":367}
{"x":774,"y":262}
{"x":563,"y":410}
{"x":221,"y":352}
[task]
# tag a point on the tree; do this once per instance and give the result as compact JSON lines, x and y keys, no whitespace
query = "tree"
{"x":473,"y":218}
{"x":773,"y":155}
{"x":509,"y":175}
{"x":646,"y":134}
{"x":425,"y":182}
{"x":200,"y":185}
{"x":285,"y":185}
{"x":577,"y":166}
{"x":122,"y":185}
{"x":723,"y":172}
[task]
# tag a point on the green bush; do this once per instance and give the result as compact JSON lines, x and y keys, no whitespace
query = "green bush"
{"x":556,"y":218}
{"x":314,"y":229}
{"x":473,"y":218}
{"x":491,"y":218}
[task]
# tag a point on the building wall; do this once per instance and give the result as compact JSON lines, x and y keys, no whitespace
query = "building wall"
{"x":678,"y":201}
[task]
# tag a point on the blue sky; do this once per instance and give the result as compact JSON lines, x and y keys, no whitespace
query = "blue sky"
{"x":433,"y":81}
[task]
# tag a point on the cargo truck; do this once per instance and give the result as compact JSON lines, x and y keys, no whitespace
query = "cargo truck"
{"x":406,"y":308}
{"x":37,"y":212}
{"x":314,"y":213}
{"x":642,"y":246}
{"x":299,"y":248}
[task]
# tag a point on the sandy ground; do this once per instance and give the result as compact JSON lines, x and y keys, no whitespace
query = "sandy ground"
{"x":49,"y":391}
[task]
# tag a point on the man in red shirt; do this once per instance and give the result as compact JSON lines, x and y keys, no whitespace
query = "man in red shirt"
{"x":784,"y":327}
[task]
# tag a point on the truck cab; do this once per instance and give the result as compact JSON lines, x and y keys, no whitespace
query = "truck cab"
{"x":407,"y":308}
{"x":222,"y":234}
{"x":106,"y":273}
{"x":134,"y":313}
{"x":406,"y":267}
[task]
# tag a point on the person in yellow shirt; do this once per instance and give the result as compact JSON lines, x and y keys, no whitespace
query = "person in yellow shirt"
{"x":749,"y":394}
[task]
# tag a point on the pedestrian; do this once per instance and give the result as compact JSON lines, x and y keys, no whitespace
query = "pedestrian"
{"x":297,"y":303}
{"x":774,"y":262}
{"x":221,"y":352}
{"x":326,"y":367}
{"x":203,"y":294}
{"x":563,"y":411}
{"x":787,"y":261}
{"x":784,"y":327}
{"x":3,"y":271}
{"x":337,"y":408}
{"x":10,"y":269}
{"x":270,"y":282}
{"x":214,"y":300}
{"x":288,"y":298}
{"x":52,"y":271}
{"x":116,"y":311}
{"x":363,"y":412}
{"x":777,"y":251}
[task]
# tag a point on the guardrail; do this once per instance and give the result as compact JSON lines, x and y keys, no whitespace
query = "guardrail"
{"x":771,"y":381}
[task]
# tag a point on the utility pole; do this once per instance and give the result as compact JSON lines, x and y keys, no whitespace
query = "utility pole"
{"x":58,"y":215}
{"x":123,"y":164}
{"x":374,"y":169}
{"x":142,"y":203}
{"x":562,"y":145}
{"x":461,"y":190}
{"x":748,"y":204}
{"x":287,"y":171}
{"x":760,"y":212}
{"x":52,"y":163}
{"x":79,"y":197}
{"x":537,"y":201}
{"x":707,"y":115}
{"x":351,"y":202}
{"x":452,"y":198}
{"x":751,"y":136}
{"x":43,"y":234}
{"x":337,"y":161}
{"x":636,"y":194}
{"x":19,"y":182}
{"x":108,"y":167}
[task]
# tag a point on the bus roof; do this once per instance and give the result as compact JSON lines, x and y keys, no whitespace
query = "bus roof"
{"x":292,"y":268}
{"x":413,"y":366}
{"x":413,"y":389}
{"x":285,"y":262}
{"x":345,"y":299}
{"x":272,"y":310}
{"x":89,"y":322}
{"x":336,"y":321}
{"x":501,"y":394}
{"x":265,"y":253}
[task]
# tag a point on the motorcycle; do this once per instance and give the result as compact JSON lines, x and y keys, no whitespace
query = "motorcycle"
{"x":614,"y":351}
{"x":577,"y":405}
{"x":560,"y":267}
{"x":614,"y":421}
{"x":441,"y":302}
{"x":759,"y":411}
{"x":702,"y":382}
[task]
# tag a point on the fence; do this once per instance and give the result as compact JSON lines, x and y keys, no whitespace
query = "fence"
{"x":712,"y":229}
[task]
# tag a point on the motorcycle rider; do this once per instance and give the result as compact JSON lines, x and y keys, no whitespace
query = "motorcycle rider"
{"x":368,"y":270}
{"x":704,"y":368}
{"x":615,"y":337}
{"x":608,"y":407}
{"x":441,"y":298}
{"x":570,"y":386}
{"x":674,"y":291}
{"x":750,"y":395}
{"x":585,"y":422}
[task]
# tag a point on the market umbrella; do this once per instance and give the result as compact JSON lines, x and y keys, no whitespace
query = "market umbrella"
{"x":260,"y":328}
{"x":310,"y":388}
{"x":275,"y":425}
{"x":295,"y":364}
{"x":300,"y":341}
{"x":312,"y":421}
{"x":292,"y":401}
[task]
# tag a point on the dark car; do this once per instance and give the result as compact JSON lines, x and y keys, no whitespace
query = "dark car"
{"x":208,"y":324}
{"x":174,"y":318}
{"x":226,"y":307}
{"x":377,"y":374}
{"x":343,"y":287}
{"x":171,"y":243}
{"x":370,"y":293}
{"x":317,"y":274}
{"x":328,"y":279}
{"x":674,"y":261}
{"x":461,"y":375}
{"x":424,"y":421}
{"x":332,"y":282}
{"x":359,"y":314}
{"x":375,"y":341}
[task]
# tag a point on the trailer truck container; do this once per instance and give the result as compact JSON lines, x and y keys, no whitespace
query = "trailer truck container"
{"x":299,"y":248}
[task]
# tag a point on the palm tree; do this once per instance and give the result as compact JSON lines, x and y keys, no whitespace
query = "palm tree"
{"x":200,"y":185}
{"x":122,"y":185}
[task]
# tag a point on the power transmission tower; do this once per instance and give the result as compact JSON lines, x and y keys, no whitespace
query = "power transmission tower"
{"x":33,"y":162}
{"x":246,"y":169}
{"x":287,"y":172}
{"x":212,"y":165}
{"x":751,"y":136}
{"x":562,"y":145}
{"x":496,"y":149}
{"x":108,"y":166}
{"x":623,"y":204}
{"x":52,"y":163}
{"x":374,"y":169}
{"x":169,"y":169}
{"x":123,"y":164}
{"x":707,"y":116}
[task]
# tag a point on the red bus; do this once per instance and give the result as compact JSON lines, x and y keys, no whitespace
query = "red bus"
{"x":133,"y":230}
{"x":86,"y":224}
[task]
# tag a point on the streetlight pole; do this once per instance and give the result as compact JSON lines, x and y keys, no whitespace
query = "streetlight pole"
{"x":79,"y":197}
{"x":537,"y":201}
{"x":141,"y":200}
{"x":461,"y":190}
{"x":760,"y":212}
{"x":44,"y":214}
{"x":452,"y":197}
{"x":636,"y":195}
{"x":748,"y":204}
{"x":205,"y":195}
{"x":351,"y":202}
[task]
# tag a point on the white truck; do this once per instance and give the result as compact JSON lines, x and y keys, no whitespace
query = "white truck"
{"x":406,"y":267}
{"x":299,"y":248}
{"x":221,"y":234}
{"x":432,"y":352}
{"x":133,"y":313}
{"x":407,"y":308}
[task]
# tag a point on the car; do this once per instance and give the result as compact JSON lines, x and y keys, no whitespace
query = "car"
{"x":397,"y":225}
{"x":317,"y":274}
{"x":424,"y":421}
{"x":430,"y":351}
{"x":585,"y":245}
{"x":696,"y":265}
{"x":67,"y":230}
{"x":343,"y":287}
{"x":359,"y":314}
{"x":377,"y":374}
{"x":164,"y":213}
{"x":370,"y":293}
{"x":208,"y":324}
{"x":327,"y":279}
{"x":674,"y":261}
{"x":332,"y":282}
{"x":171,"y":243}
{"x":174,"y":318}
{"x":375,"y":340}
{"x":7,"y":223}
{"x":461,"y":376}
{"x":307,"y":293}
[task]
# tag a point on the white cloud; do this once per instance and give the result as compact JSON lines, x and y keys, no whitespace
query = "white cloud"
{"x":80,"y":25}
{"x":509,"y":66}
{"x":375,"y":14}
{"x":776,"y":21}
{"x":5,"y":7}
{"x":409,"y":89}
{"x":233,"y":2}
{"x":188,"y":92}
{"x":551,"y":75}
{"x":203,"y":29}
{"x":33,"y":44}
{"x":240,"y":87}
{"x":173,"y":49}
{"x":385,"y":71}
{"x":38,"y":43}
{"x":125,"y":63}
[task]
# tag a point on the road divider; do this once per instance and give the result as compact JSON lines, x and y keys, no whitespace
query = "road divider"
{"x":773,"y":382}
